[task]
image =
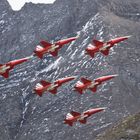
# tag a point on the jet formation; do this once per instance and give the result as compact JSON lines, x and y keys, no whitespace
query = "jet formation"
{"x":44,"y":48}
{"x":74,"y":116}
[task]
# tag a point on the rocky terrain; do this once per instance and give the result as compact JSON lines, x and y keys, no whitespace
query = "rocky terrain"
{"x":128,"y":129}
{"x":23,"y":115}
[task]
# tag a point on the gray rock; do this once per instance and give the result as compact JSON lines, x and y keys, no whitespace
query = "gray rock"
{"x":127,"y":129}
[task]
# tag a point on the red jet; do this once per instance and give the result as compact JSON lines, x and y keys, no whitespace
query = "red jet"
{"x":103,"y":47}
{"x":5,"y":68}
{"x":51,"y":87}
{"x":82,"y":118}
{"x":91,"y":85}
{"x":46,"y":47}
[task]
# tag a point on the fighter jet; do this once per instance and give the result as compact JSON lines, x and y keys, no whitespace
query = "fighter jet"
{"x":5,"y":68}
{"x":103,"y":47}
{"x":91,"y":85}
{"x":51,"y":87}
{"x":51,"y":48}
{"x":82,"y":118}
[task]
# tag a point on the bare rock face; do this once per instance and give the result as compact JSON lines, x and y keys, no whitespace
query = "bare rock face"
{"x":127,"y":129}
{"x":25,"y":116}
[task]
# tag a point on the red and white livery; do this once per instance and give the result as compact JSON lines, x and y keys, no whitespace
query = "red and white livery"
{"x":91,"y":85}
{"x":46,"y":47}
{"x":103,"y":47}
{"x":74,"y":116}
{"x":5,"y":68}
{"x":51,"y":87}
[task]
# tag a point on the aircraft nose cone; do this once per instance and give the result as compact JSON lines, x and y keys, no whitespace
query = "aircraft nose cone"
{"x":110,"y":77}
{"x":71,"y":78}
{"x":16,"y":62}
{"x":128,"y":36}
{"x":100,"y":109}
{"x":76,"y":37}
{"x":115,"y":75}
{"x":103,"y":108}
{"x":67,"y":79}
{"x":75,"y":77}
{"x":96,"y":110}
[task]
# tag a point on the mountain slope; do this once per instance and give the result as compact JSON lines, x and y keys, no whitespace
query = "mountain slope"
{"x":127,"y":129}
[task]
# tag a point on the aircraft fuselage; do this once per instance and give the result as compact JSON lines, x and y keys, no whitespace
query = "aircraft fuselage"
{"x":93,"y":84}
{"x":82,"y":116}
{"x":51,"y":87}
{"x":53,"y":48}
{"x":105,"y":47}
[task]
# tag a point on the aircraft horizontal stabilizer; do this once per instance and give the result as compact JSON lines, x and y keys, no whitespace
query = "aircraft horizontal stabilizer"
{"x":55,"y":53}
{"x":54,"y":91}
{"x":94,"y":89}
{"x":38,"y":92}
{"x":106,"y":52}
{"x":83,"y":121}
{"x":68,"y":122}
{"x":6,"y":74}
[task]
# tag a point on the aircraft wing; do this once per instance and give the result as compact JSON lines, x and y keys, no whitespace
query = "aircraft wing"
{"x":45,"y":43}
{"x":74,"y":113}
{"x":44,"y":83}
{"x":84,"y":80}
{"x":97,"y":43}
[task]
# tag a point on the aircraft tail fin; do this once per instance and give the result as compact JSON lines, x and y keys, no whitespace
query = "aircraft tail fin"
{"x":85,"y":81}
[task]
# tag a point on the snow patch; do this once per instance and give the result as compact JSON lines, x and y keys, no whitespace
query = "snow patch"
{"x":16,"y":5}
